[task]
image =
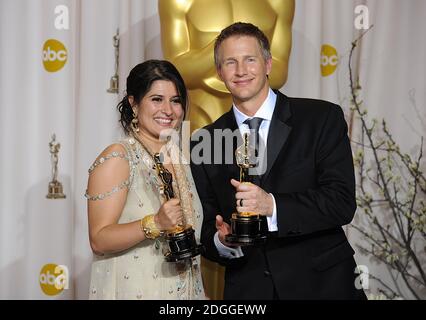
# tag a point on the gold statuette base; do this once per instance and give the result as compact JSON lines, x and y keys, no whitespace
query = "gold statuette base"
{"x":247,"y":229}
{"x":55,"y":191}
{"x":182,"y":245}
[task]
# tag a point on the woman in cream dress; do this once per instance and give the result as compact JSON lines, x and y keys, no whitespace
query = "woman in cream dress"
{"x":126,"y":209}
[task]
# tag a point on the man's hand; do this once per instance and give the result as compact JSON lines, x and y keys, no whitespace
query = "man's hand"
{"x":254,"y":199}
{"x":223,"y":229}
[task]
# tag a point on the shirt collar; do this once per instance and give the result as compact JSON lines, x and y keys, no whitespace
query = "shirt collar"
{"x":265,"y":111}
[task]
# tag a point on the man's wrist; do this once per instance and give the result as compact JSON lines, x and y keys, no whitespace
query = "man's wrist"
{"x":271,"y":205}
{"x":272,"y":220}
{"x":224,"y":250}
{"x":223,"y":241}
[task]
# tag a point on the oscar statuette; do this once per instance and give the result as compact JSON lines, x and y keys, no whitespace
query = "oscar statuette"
{"x":181,"y":240}
{"x":113,"y":83}
{"x":247,"y":228}
{"x":55,"y":189}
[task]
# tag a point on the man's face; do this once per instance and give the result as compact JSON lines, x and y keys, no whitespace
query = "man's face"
{"x":243,"y":69}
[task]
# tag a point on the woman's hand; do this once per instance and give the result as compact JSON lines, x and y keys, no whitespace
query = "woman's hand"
{"x":169,"y":215}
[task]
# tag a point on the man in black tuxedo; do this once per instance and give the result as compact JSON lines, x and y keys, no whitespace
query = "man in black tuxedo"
{"x":306,"y":192}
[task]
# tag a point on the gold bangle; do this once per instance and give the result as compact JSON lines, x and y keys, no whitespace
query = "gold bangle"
{"x":149,"y":227}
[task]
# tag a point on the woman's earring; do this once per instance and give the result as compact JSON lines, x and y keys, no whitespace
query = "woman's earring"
{"x":135,"y":122}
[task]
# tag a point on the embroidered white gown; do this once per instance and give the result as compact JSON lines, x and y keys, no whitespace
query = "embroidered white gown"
{"x":141,"y":272}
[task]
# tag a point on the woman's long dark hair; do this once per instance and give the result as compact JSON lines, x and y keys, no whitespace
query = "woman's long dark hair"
{"x":139,"y":82}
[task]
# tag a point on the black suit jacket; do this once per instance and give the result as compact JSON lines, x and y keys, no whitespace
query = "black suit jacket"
{"x":310,"y":173}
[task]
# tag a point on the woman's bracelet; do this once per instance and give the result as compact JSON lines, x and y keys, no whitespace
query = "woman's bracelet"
{"x":150,"y":228}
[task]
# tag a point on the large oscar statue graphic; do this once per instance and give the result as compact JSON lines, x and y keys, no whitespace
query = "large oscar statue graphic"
{"x":181,"y":240}
{"x":188,"y":31}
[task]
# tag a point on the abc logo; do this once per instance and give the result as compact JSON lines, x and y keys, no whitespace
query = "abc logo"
{"x":54,"y":55}
{"x":329,"y":60}
{"x":53,"y":279}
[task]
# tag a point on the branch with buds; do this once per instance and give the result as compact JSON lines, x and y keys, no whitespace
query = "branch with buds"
{"x":391,"y":199}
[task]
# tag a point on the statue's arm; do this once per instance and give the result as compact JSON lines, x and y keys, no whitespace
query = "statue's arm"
{"x":193,"y":64}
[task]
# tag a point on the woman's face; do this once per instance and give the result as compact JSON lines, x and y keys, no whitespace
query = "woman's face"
{"x":160,"y":109}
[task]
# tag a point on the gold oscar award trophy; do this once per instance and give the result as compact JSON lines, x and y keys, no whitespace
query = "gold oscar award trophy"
{"x":55,"y":189}
{"x":247,"y":228}
{"x":181,"y":240}
{"x":113,"y":82}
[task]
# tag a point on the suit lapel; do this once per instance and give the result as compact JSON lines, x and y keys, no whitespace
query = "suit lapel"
{"x":279,"y":131}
